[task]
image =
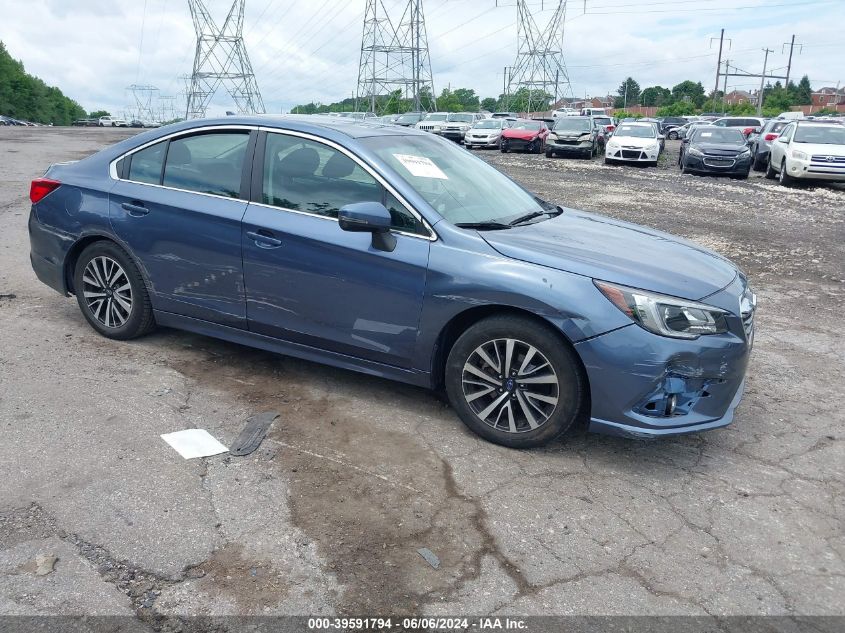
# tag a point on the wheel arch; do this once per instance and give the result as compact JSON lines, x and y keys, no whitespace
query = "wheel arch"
{"x":462,"y":321}
{"x":84,"y":242}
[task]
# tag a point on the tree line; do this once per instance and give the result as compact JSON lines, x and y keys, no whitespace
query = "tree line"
{"x":689,"y":97}
{"x":25,"y":97}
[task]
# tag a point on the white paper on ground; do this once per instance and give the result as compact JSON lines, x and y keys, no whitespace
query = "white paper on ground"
{"x":421,"y":166}
{"x":192,"y":443}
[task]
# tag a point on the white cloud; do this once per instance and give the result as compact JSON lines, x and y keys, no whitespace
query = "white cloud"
{"x":309,"y":51}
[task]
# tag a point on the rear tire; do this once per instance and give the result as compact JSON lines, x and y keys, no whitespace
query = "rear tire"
{"x":771,"y":174}
{"x":549,"y":153}
{"x":541,"y":390}
{"x":111,"y":292}
{"x":673,"y":136}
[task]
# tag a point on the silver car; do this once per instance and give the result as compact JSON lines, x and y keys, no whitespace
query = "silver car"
{"x":486,"y":133}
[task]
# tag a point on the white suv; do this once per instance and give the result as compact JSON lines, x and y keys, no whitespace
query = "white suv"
{"x":808,"y":150}
{"x":108,"y":121}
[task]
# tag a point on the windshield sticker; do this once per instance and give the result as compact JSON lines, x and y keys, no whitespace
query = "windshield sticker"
{"x":420,"y":166}
{"x":705,"y":134}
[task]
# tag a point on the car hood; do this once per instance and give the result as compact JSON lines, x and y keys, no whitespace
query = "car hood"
{"x":820,"y":149}
{"x":634,"y":141}
{"x":611,"y":250}
{"x":521,"y":134}
{"x":729,"y":149}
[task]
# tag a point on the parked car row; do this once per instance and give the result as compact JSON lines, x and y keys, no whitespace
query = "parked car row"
{"x":9,"y":121}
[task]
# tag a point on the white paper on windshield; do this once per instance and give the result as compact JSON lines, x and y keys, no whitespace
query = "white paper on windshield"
{"x":420,"y":166}
{"x":707,"y":134}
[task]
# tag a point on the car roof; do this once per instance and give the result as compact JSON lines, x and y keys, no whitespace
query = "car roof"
{"x":639,"y":123}
{"x":353,"y":128}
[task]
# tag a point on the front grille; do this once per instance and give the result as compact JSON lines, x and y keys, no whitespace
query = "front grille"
{"x":567,"y":141}
{"x":718,"y":162}
{"x":427,"y":127}
{"x":823,"y":158}
{"x":631,"y":154}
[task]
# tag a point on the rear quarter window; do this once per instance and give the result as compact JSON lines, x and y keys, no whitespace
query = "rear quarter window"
{"x":145,"y":165}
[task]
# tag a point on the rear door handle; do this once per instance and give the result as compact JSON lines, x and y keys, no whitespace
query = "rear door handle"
{"x":264,"y":239}
{"x":134,"y":209}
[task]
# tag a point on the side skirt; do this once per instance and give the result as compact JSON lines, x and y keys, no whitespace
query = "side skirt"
{"x":297,"y":350}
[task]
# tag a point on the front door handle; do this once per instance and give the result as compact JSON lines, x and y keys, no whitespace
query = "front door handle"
{"x":135,"y":209}
{"x":264,"y":239}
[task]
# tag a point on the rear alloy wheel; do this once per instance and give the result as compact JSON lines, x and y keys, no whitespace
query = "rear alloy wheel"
{"x":514,"y":382}
{"x":783,"y":178}
{"x":111,"y":292}
{"x":673,"y":136}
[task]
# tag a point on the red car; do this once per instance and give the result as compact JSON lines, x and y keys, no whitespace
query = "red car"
{"x":525,"y":135}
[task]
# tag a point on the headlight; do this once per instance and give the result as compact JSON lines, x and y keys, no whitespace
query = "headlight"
{"x":745,"y":153}
{"x":799,"y":155}
{"x":663,"y":315}
{"x":585,"y":137}
{"x":553,"y":136}
{"x":613,"y":145}
{"x":693,"y":151}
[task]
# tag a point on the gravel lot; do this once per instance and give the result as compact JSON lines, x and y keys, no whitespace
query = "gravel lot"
{"x":358,"y":473}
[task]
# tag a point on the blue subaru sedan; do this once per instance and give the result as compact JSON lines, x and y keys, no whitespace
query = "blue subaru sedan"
{"x":398,"y":254}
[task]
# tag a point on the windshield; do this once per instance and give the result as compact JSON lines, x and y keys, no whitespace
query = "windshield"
{"x":436,"y":117}
{"x":715,"y":134}
{"x":460,"y":118}
{"x":637,"y":131}
{"x":459,"y":186}
{"x":488,"y":124}
{"x":409,"y":118}
{"x":526,"y":125}
{"x":833,"y":135}
{"x":604,"y":120}
{"x":573,"y":125}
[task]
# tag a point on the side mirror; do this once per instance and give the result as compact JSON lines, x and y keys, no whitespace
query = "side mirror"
{"x":661,"y":137}
{"x":369,"y":217}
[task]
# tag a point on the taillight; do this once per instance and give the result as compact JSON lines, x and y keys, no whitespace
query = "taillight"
{"x":41,"y":187}
{"x":771,"y":137}
{"x":748,"y":131}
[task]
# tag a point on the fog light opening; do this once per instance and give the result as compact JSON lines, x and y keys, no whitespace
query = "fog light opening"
{"x":671,"y":403}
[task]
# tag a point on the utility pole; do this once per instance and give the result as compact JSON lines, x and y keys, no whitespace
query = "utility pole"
{"x":719,"y":63}
{"x":791,"y":46}
{"x":763,"y":81}
{"x":221,"y":58}
{"x":725,"y":91}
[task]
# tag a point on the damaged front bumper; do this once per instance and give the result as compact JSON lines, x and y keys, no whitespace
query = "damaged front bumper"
{"x":644,"y":385}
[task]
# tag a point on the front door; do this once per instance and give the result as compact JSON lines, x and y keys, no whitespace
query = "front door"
{"x":308,"y":281}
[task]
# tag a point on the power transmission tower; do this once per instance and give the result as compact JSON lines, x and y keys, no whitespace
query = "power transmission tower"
{"x":539,"y":67}
{"x":167,"y":108}
{"x":394,"y":57}
{"x":143,"y":96}
{"x":221,"y":58}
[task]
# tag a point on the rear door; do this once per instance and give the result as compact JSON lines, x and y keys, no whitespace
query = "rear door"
{"x":312,"y":283}
{"x":178,"y":205}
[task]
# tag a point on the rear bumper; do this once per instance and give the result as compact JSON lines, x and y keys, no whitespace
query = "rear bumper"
{"x":47,"y":255}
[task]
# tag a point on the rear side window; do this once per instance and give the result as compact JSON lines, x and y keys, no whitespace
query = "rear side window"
{"x":207,"y":163}
{"x":146,"y":165}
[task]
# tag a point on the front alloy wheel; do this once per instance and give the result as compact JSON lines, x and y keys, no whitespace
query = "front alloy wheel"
{"x":514,"y":381}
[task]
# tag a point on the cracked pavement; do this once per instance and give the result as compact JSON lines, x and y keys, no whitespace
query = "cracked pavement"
{"x":359,"y":473}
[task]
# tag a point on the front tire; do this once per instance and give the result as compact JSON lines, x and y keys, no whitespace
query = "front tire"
{"x":783,"y":178}
{"x":771,"y":174}
{"x":111,"y":292}
{"x":514,"y":382}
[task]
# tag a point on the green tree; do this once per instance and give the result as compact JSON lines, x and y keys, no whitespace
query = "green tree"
{"x":96,"y":114}
{"x":629,"y":94}
{"x":804,"y":92}
{"x":689,"y":91}
{"x":23,"y":96}
{"x":490,"y":104}
{"x":655,"y":96}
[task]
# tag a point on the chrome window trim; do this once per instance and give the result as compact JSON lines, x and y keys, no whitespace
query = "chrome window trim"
{"x":376,"y":176}
{"x":432,"y":237}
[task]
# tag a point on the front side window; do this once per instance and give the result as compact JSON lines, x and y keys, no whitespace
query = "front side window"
{"x":145,"y":165}
{"x":308,"y":176}
{"x":207,"y":163}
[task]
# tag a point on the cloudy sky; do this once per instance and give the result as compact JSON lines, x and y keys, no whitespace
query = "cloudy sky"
{"x":308,"y":50}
